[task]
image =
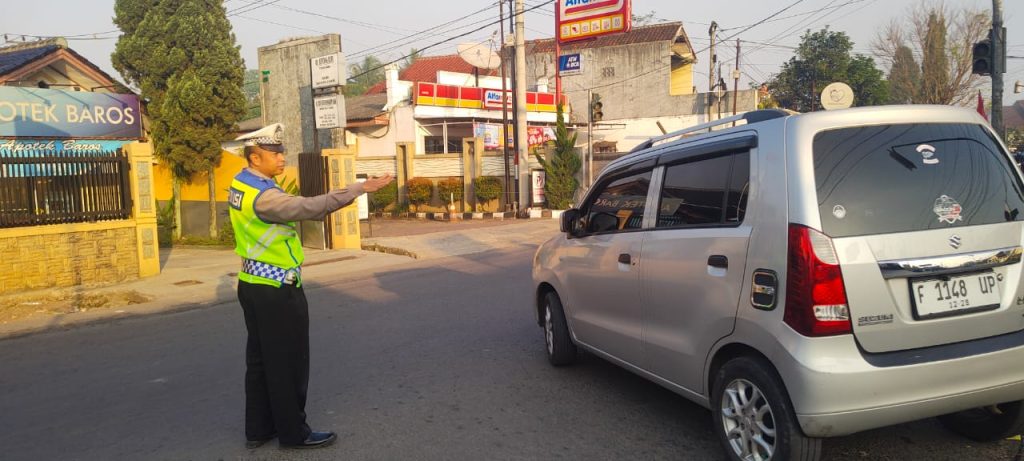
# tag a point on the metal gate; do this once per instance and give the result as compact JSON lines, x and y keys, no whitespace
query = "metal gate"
{"x":313,"y":176}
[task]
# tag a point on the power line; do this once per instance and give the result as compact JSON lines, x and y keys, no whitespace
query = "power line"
{"x":446,"y":41}
{"x":413,"y":37}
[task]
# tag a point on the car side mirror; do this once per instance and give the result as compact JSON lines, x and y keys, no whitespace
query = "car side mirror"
{"x":570,"y":218}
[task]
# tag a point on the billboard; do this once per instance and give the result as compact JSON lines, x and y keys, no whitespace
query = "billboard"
{"x":582,"y":19}
{"x":57,"y":114}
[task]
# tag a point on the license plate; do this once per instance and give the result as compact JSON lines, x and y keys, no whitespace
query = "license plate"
{"x":942,"y":297}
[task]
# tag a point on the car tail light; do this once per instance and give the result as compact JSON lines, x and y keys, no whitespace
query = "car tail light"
{"x":815,"y":295}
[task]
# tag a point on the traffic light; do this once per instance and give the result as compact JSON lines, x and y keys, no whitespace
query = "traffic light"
{"x":595,"y":108}
{"x":982,"y":57}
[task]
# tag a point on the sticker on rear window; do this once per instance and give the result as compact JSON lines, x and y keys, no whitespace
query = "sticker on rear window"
{"x":948,"y":210}
{"x":839,"y":211}
{"x":928,"y":152}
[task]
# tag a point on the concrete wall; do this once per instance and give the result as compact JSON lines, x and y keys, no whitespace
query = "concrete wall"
{"x":68,"y":255}
{"x":380,"y":141}
{"x":633,"y":81}
{"x":287,"y":95}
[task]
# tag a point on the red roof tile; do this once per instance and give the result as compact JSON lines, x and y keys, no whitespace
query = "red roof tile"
{"x":425,"y":69}
{"x":653,"y":33}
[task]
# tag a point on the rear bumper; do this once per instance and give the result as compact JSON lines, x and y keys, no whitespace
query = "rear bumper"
{"x":838,"y":390}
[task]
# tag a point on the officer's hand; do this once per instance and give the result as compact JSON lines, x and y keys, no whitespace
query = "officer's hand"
{"x":372,"y":184}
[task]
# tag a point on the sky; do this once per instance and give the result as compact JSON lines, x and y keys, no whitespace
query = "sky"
{"x":388,"y":30}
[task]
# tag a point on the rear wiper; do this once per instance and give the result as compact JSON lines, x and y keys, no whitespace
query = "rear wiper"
{"x":1010,"y":215}
{"x":902,"y":160}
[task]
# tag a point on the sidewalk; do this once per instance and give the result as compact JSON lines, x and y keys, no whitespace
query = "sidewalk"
{"x":196,"y":277}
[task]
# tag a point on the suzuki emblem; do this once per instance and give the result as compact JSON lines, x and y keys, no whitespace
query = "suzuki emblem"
{"x":954,"y":242}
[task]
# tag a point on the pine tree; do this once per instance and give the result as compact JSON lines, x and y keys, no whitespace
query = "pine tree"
{"x":560,"y":170}
{"x":935,"y":63}
{"x":904,"y":77}
{"x":182,"y":55}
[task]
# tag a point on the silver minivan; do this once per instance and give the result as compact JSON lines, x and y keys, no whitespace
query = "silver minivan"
{"x":804,"y":276}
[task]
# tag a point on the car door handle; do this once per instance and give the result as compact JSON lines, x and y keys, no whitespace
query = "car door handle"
{"x":718,"y":261}
{"x":625,"y":258}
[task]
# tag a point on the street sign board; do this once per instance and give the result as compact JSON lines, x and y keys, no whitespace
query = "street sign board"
{"x":329,"y":111}
{"x":570,"y":64}
{"x":581,"y":19}
{"x":328,"y":71}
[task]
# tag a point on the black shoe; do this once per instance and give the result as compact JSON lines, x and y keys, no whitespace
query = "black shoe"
{"x":315,"y":440}
{"x":250,"y":444}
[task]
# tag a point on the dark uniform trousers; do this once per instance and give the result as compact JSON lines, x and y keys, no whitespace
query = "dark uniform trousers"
{"x":277,"y":362}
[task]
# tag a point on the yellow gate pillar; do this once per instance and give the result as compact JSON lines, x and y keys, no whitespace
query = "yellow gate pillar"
{"x":404,"y":171}
{"x":140,"y":156}
{"x":341,"y":166}
{"x":472,"y":168}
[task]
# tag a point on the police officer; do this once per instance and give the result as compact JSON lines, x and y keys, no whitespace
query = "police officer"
{"x":264,"y":218}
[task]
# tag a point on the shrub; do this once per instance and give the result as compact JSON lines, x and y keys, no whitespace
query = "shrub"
{"x":384,"y":196}
{"x":420,"y":191}
{"x":449,"y":187}
{"x":487,"y":188}
{"x":560,"y":168}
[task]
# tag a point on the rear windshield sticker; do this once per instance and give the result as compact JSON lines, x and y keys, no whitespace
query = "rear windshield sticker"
{"x":839,"y":212}
{"x":928,"y":152}
{"x":948,"y":210}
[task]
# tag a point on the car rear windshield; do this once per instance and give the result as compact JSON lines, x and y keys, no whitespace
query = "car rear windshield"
{"x":901,"y":178}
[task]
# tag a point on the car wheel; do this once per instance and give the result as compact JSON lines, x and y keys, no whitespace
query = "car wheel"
{"x":753,"y":416}
{"x":987,"y":424}
{"x":561,"y":350}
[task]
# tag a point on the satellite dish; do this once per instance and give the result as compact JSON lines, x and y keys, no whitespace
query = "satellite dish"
{"x":479,"y":55}
{"x":837,"y":96}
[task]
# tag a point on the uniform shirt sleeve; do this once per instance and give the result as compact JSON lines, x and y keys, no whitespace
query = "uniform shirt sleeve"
{"x":277,"y":206}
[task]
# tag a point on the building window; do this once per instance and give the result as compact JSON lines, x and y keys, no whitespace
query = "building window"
{"x":608,"y":72}
{"x":435,"y":145}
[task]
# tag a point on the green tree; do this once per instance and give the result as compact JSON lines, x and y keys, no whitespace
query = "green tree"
{"x":822,"y":58}
{"x":364,"y":74}
{"x":560,"y":170}
{"x":904,"y":77}
{"x":182,"y":56}
{"x":934,"y":63}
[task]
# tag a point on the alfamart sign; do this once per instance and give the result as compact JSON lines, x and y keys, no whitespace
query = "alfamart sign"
{"x":56,"y":114}
{"x":581,"y":19}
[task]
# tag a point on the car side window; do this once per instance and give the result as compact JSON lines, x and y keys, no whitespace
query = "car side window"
{"x":705,"y":192}
{"x":618,"y":204}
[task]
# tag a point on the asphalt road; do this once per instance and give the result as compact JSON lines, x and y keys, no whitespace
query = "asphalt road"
{"x":435,"y":360}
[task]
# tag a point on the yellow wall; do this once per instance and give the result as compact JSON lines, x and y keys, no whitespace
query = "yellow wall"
{"x":681,"y":80}
{"x":230,"y":165}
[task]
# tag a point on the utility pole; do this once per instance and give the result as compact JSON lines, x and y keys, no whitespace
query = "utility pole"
{"x":504,"y":109}
{"x":736,"y":80}
{"x":590,"y":137}
{"x":998,"y":67}
{"x":712,"y":59}
{"x":522,"y":147}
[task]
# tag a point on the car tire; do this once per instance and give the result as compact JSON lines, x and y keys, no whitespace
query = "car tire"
{"x":753,"y":416}
{"x":987,"y":424}
{"x":560,"y":348}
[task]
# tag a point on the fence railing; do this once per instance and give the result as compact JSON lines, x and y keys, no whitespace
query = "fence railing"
{"x":49,"y":187}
